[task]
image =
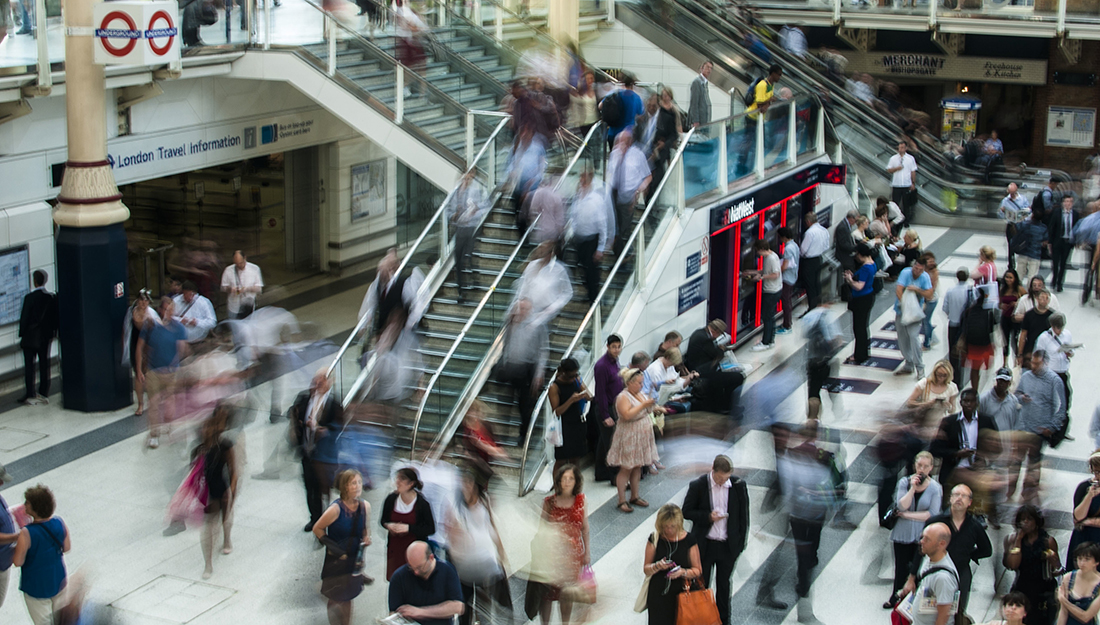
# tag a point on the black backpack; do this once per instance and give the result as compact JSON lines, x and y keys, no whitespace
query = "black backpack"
{"x":612,"y":110}
{"x":750,"y":93}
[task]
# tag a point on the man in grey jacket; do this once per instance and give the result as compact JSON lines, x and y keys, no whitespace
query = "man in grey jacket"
{"x":699,"y":105}
{"x":1043,"y":409}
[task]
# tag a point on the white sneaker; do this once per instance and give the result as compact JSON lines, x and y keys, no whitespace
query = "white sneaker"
{"x":763,"y":347}
{"x":153,"y":442}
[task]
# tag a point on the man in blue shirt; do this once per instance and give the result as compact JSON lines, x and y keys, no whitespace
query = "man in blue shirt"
{"x":160,"y":348}
{"x":632,"y":107}
{"x":426,"y":590}
{"x":917,"y":280}
{"x":9,"y":533}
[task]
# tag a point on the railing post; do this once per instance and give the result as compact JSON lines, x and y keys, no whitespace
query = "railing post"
{"x":498,"y":25}
{"x":597,"y":330}
{"x":399,"y":92}
{"x":792,"y":132}
{"x":470,"y":139}
{"x":441,"y":19}
{"x":681,"y":201}
{"x":838,"y":155}
{"x":611,"y":11}
{"x":932,"y":6}
{"x":639,"y":257}
{"x":45,"y":76}
{"x":723,"y":165}
{"x":444,"y":237}
{"x":492,"y":165}
{"x":1061,"y":28}
{"x":854,"y":190}
{"x":758,"y":166}
{"x":267,"y":24}
{"x":250,"y":15}
{"x":331,"y":24}
{"x":836,"y":11}
{"x":819,"y":139}
{"x":476,"y":18}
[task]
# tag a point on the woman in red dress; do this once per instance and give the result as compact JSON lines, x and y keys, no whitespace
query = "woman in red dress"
{"x":407,"y":517}
{"x":566,"y":509}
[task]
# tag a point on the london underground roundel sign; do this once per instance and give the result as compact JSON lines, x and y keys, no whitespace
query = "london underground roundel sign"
{"x":167,"y":31}
{"x":107,"y":35}
{"x":136,"y":33}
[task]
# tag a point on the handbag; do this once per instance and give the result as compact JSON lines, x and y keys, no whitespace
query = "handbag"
{"x":890,"y":519}
{"x":553,"y":432}
{"x":697,"y":607}
{"x":911,"y":309}
{"x":188,"y":504}
{"x":642,"y":601}
{"x":584,"y":590}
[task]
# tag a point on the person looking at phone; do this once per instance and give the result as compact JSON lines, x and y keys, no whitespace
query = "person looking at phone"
{"x":935,"y":394}
{"x":717,"y":504}
{"x":917,"y":497}
{"x":1086,"y":510}
{"x":633,"y":445}
{"x":569,"y":399}
{"x":1042,"y":411}
{"x":671,"y":559}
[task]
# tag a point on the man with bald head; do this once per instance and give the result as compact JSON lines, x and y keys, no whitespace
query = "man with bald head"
{"x":242,"y":283}
{"x":934,"y":591}
{"x":426,"y":590}
{"x":968,"y":543}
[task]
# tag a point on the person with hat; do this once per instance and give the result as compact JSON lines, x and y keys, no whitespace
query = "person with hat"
{"x":1001,"y":405}
{"x":9,"y":534}
{"x":633,"y":445}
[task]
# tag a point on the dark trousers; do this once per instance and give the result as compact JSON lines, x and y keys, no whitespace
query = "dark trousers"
{"x":810,"y":269}
{"x":807,"y":539}
{"x":861,"y":325}
{"x":1068,"y":389}
{"x":602,"y":471}
{"x":313,"y":489}
{"x":787,"y":299}
{"x":520,"y":377}
{"x":816,"y":376}
{"x":900,"y":196}
{"x":903,"y":558}
{"x":464,"y":250}
{"x":492,"y":592}
{"x":1010,"y":233}
{"x":624,"y":224}
{"x":586,"y":251}
{"x":1059,"y":256}
{"x":42,"y":354}
{"x":768,"y":302}
{"x":717,"y":555}
{"x":953,"y":335}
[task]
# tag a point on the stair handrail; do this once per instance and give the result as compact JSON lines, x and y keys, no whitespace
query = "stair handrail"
{"x":524,"y":486}
{"x":409,"y":254}
{"x":435,"y":450}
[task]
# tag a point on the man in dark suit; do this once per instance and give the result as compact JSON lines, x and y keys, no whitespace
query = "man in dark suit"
{"x":1060,"y":236}
{"x":957,"y":440}
{"x":37,"y":329}
{"x":315,"y":420}
{"x":699,"y":104}
{"x":717,"y":390}
{"x":843,"y":241}
{"x":717,"y":504}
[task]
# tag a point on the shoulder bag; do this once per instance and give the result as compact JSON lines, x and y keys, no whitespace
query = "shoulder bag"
{"x":903,"y":613}
{"x":643,"y":594}
{"x":696,"y":605}
{"x":911,"y":309}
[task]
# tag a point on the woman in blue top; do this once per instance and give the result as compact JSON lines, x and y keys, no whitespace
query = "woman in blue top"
{"x":863,"y":299}
{"x":40,"y":552}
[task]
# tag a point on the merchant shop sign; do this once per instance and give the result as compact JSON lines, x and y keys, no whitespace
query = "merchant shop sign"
{"x":902,"y":65}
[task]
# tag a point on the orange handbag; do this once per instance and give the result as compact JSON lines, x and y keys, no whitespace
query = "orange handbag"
{"x":697,"y":606}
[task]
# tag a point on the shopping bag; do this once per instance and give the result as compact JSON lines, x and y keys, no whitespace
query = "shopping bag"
{"x":697,"y":606}
{"x":553,"y":432}
{"x":188,"y":505}
{"x":584,"y":591}
{"x":911,"y":309}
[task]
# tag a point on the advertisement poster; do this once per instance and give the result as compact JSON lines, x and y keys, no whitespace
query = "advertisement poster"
{"x":1071,"y":127}
{"x":368,"y":190}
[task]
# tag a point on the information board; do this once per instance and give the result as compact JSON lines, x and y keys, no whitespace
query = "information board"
{"x":15,"y":282}
{"x":1069,"y":126}
{"x":690,"y":295}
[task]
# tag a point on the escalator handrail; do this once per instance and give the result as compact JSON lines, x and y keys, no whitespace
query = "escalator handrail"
{"x":669,"y":170}
{"x":435,"y":450}
{"x":412,"y":250}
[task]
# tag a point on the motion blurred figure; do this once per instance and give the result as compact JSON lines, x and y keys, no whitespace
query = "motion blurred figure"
{"x":388,"y":292}
{"x":523,"y":361}
{"x":593,"y":230}
{"x":160,"y":348}
{"x":465,"y":212}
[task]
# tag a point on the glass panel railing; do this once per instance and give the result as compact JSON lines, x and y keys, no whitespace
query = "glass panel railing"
{"x":701,"y":157}
{"x":777,"y":128}
{"x":805,"y":121}
{"x":348,"y":371}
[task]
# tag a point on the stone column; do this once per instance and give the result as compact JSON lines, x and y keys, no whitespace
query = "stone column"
{"x":563,"y":20}
{"x":91,"y":241}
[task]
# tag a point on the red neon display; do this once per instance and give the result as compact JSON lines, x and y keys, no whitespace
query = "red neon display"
{"x":783,"y":202}
{"x":736,"y":282}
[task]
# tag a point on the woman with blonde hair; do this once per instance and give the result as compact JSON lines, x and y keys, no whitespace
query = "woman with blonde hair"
{"x":633,"y":445}
{"x":344,"y":530}
{"x":935,"y":394}
{"x":986,"y":271}
{"x":671,"y":555}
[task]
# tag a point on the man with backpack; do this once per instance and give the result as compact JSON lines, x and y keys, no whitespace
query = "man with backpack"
{"x":619,"y":109}
{"x":757,"y":99}
{"x":935,"y":589}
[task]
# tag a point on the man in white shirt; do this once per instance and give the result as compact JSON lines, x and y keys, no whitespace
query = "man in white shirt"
{"x":717,"y":504}
{"x":814,"y":243}
{"x":1014,"y":209}
{"x":389,"y":292}
{"x":1027,"y":302}
{"x":955,"y":303}
{"x":770,"y":276}
{"x":903,"y":168}
{"x":628,"y":176}
{"x":195,"y":312}
{"x":243,"y":282}
{"x":793,"y":40}
{"x":465,"y":211}
{"x":1053,"y":342}
{"x":593,"y":229}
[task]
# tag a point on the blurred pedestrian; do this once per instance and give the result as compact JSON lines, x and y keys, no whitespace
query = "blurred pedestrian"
{"x":390,"y":292}
{"x":1034,"y":286}
{"x":807,"y":484}
{"x":479,"y":442}
{"x":633,"y":446}
{"x":220,"y":472}
{"x":545,"y":284}
{"x":1010,"y":291}
{"x":913,"y":282}
{"x":523,"y":360}
{"x":9,"y":535}
{"x":569,"y":400}
{"x":1043,"y":409}
{"x":1028,"y":242}
{"x":38,"y":326}
{"x":477,"y":553}
{"x":138,"y":316}
{"x":1033,"y":554}
{"x":411,"y":32}
{"x":628,"y":174}
{"x":979,"y":323}
{"x":917,"y":497}
{"x":160,"y":348}
{"x":593,"y":220}
{"x":620,"y":108}
{"x":344,"y":530}
{"x":407,"y":516}
{"x":544,"y":210}
{"x":315,"y":419}
{"x":671,"y":554}
{"x":566,"y":512}
{"x":666,"y":138}
{"x":582,"y":105}
{"x":955,"y":304}
{"x":823,"y":341}
{"x":465,"y":211}
{"x":243,"y":282}
{"x":40,"y":555}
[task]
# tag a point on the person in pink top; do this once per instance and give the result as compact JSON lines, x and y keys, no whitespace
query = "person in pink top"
{"x":986,"y":271}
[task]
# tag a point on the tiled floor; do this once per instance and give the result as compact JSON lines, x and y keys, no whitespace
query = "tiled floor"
{"x":113,"y":497}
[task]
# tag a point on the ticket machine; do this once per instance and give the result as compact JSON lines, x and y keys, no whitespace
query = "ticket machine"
{"x":738,"y":223}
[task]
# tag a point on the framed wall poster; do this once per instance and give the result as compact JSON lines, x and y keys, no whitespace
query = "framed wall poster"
{"x":368,"y":190}
{"x":15,"y":282}
{"x":1071,"y":127}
